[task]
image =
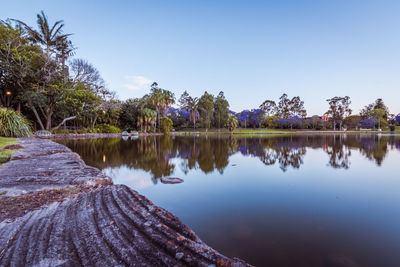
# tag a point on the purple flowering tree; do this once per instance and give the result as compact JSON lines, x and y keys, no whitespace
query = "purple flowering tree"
{"x":178,"y":116}
{"x":368,"y":123}
{"x":282,"y":123}
{"x":243,"y":117}
{"x":255,"y":117}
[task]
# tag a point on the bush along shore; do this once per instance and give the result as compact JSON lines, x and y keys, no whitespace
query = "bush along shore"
{"x":51,"y":200}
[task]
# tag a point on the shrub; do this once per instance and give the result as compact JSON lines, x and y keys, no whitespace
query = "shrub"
{"x":268,"y":122}
{"x":392,"y":127}
{"x":231,"y":123}
{"x":166,"y":124}
{"x":60,"y":131}
{"x":13,"y":124}
{"x":105,"y":128}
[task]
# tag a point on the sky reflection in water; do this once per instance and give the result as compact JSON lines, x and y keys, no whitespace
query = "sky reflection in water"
{"x":296,"y":200}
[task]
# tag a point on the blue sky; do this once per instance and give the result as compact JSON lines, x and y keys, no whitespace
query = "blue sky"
{"x":251,"y":50}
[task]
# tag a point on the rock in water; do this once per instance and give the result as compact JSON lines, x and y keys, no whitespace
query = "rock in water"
{"x":171,"y":180}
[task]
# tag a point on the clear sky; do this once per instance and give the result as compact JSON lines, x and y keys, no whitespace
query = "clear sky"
{"x":251,"y":50}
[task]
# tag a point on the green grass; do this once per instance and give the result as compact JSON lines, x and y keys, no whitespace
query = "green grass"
{"x":239,"y":131}
{"x":397,"y":129}
{"x":5,"y":154}
{"x":262,"y":130}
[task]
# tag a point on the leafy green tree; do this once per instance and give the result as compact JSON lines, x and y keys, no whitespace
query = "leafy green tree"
{"x":81,"y":71}
{"x":221,"y":110}
{"x":130,"y":111}
{"x":378,"y":104}
{"x":232,"y":123}
{"x":17,"y":57}
{"x":269,"y":122}
{"x":206,"y":107}
{"x":353,"y":121}
{"x":297,"y":107}
{"x":284,"y":107}
{"x":64,"y":49}
{"x":379,"y":114}
{"x":45,"y":92}
{"x":190,"y":104}
{"x":269,"y":107}
{"x":374,"y":110}
{"x":339,"y":108}
{"x":109,"y":111}
{"x":161,"y":99}
{"x":78,"y":103}
{"x":40,"y":80}
{"x":291,"y":107}
{"x":166,"y":125}
{"x":316,"y":122}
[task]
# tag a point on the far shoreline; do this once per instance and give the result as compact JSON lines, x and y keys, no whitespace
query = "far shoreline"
{"x":190,"y":133}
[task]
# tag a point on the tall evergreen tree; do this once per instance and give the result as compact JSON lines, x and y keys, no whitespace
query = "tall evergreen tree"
{"x":206,"y":107}
{"x":221,"y":110}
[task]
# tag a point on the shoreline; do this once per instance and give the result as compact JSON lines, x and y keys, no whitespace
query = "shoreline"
{"x":86,"y":219}
{"x":117,"y":135}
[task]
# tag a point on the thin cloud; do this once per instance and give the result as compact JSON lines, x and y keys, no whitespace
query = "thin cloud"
{"x":137,"y":83}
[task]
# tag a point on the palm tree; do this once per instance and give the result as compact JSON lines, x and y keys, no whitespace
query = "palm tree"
{"x":231,"y":123}
{"x":149,"y":118}
{"x":140,"y":123}
{"x":65,"y":49}
{"x":49,"y":37}
{"x":161,"y":99}
{"x":153,"y":119}
{"x":190,"y":104}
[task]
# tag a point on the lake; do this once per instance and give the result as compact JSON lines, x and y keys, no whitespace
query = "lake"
{"x":286,"y":200}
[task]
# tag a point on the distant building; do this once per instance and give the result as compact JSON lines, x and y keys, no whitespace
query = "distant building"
{"x":325,"y":118}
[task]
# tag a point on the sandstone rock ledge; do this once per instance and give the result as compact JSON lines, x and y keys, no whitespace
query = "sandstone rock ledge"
{"x":110,"y":226}
{"x":42,"y":164}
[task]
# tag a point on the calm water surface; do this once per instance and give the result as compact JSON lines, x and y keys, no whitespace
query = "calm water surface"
{"x":299,"y":200}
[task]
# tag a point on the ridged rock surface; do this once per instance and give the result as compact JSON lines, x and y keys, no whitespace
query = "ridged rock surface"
{"x":112,"y":226}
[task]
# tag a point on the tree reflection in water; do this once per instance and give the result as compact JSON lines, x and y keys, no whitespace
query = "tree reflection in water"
{"x":155,"y":154}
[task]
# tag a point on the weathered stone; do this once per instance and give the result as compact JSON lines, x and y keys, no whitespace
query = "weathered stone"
{"x":171,"y":180}
{"x":179,"y":255}
{"x":100,"y":228}
{"x":13,"y":147}
{"x":43,"y":164}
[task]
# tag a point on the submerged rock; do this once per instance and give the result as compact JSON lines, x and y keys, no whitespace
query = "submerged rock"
{"x":171,"y":180}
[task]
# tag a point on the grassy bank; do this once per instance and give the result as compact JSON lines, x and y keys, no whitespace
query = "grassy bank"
{"x":238,"y":131}
{"x":5,"y":154}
